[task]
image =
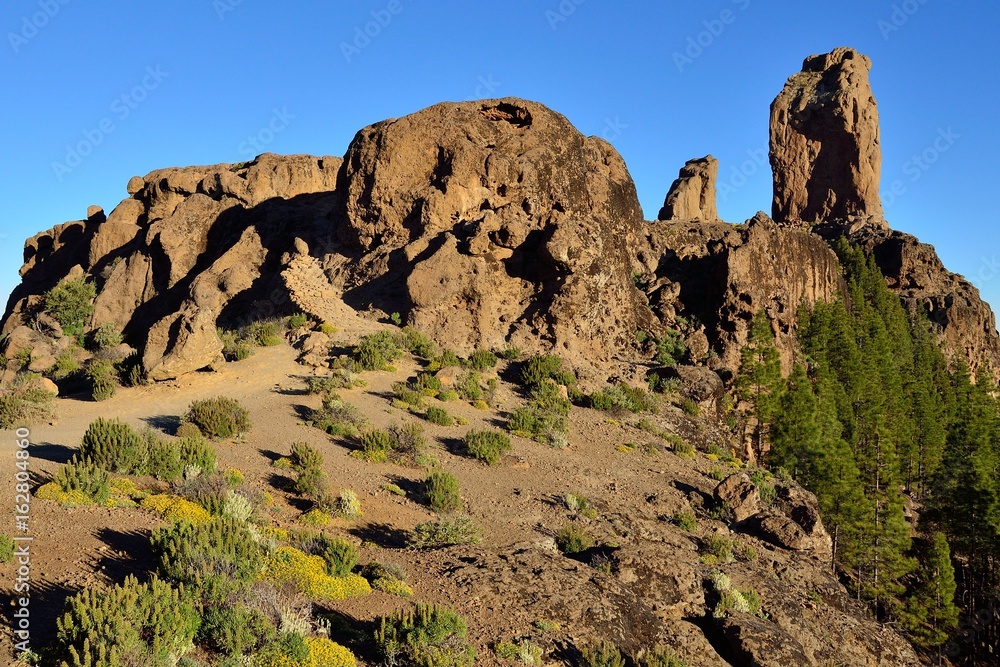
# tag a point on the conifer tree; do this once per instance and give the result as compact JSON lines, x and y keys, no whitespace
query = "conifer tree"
{"x":931,"y":613}
{"x":760,"y":380}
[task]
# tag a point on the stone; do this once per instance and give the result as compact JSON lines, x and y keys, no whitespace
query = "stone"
{"x":739,"y":494}
{"x":95,"y":214}
{"x":135,"y":185}
{"x":692,"y":195}
{"x":826,"y":153}
{"x":757,"y":642}
{"x":778,"y":529}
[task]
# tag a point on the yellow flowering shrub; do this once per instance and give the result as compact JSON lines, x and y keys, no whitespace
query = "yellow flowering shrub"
{"x":308,"y":574}
{"x":53,"y":491}
{"x":322,"y":653}
{"x":316,"y":518}
{"x":393,"y":586}
{"x":175,"y":509}
{"x":124,"y":493}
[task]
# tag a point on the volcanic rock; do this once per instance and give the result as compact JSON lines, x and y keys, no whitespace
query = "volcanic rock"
{"x":825,"y":149}
{"x":692,"y":195}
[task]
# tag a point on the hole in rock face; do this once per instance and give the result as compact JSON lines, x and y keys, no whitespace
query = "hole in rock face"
{"x":509,"y":113}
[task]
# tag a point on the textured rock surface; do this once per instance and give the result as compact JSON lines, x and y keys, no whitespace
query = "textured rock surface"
{"x":826,"y":153}
{"x":692,"y":195}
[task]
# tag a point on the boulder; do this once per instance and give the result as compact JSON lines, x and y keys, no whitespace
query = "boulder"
{"x":739,"y":494}
{"x":135,"y":185}
{"x":826,"y":154}
{"x":95,"y":214}
{"x":779,"y":530}
{"x":692,"y":195}
{"x":757,"y":642}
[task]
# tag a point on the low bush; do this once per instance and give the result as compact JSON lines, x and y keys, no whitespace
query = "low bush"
{"x":572,"y":539}
{"x":103,"y":379}
{"x":305,"y":456}
{"x":236,"y":630}
{"x":409,"y":395}
{"x":340,"y":556}
{"x":264,"y":333}
{"x":338,"y":418}
{"x":469,"y":386}
{"x":427,"y":384}
{"x":540,"y":425}
{"x":483,"y":360}
{"x":720,"y":547}
{"x":442,"y":492}
{"x":297,"y":320}
{"x":25,"y":402}
{"x":311,"y":483}
{"x":347,"y":505}
{"x":219,"y":418}
{"x":542,"y":367}
{"x":115,"y":446}
{"x":690,"y":407}
{"x":660,"y":656}
{"x":487,"y":446}
{"x":146,"y":623}
{"x":164,"y":460}
{"x":105,"y":336}
{"x":407,"y":441}
{"x":377,"y":351}
{"x":418,"y":343}
{"x":685,"y":520}
{"x":621,"y":398}
{"x":308,"y":574}
{"x":131,"y":372}
{"x":376,"y":445}
{"x":65,"y":366}
{"x":445,"y":531}
{"x":197,"y":453}
{"x":327,"y":385}
{"x":83,"y":476}
{"x":427,"y":636}
{"x":71,"y":303}
{"x":602,"y":654}
{"x":439,"y":416}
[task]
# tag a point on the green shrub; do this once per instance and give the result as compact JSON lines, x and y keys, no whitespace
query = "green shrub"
{"x":83,"y":476}
{"x":448,"y":395}
{"x":483,"y":360}
{"x":511,"y":353}
{"x":266,"y":333}
{"x":197,"y":452}
{"x":376,"y":445}
{"x":219,"y":418}
{"x":115,"y":446}
{"x":131,"y":372}
{"x":348,"y":506}
{"x":311,"y":482}
{"x":660,"y":656}
{"x":439,"y":416}
{"x":428,"y":384}
{"x":6,"y":549}
{"x":234,"y":347}
{"x":305,"y":456}
{"x":445,"y":531}
{"x":621,"y":398}
{"x":765,"y":486}
{"x":547,"y":397}
{"x":327,"y":385}
{"x":537,"y":424}
{"x":236,"y":630}
{"x":469,"y":387}
{"x":338,"y":418}
{"x":720,"y":547}
{"x":447,"y":359}
{"x":106,"y":336}
{"x":603,"y":654}
{"x":378,"y":350}
{"x":428,"y":636}
{"x":164,"y":460}
{"x":541,"y":367}
{"x":408,"y":394}
{"x":572,"y":539}
{"x":690,"y":407}
{"x":297,"y":320}
{"x":670,"y":349}
{"x":66,"y":365}
{"x":213,"y":559}
{"x":103,"y":379}
{"x":150,"y":623}
{"x":340,"y":556}
{"x":685,"y":520}
{"x":407,"y":440}
{"x":71,"y":303}
{"x":25,"y":402}
{"x":418,"y":344}
{"x":683,"y":449}
{"x":487,"y":446}
{"x":442,"y":492}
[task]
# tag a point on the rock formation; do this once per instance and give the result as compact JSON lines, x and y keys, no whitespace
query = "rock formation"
{"x":825,"y":148}
{"x":692,"y":195}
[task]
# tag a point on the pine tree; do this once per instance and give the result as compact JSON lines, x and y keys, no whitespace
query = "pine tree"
{"x":760,"y":380}
{"x":931,"y":613}
{"x":795,"y":434}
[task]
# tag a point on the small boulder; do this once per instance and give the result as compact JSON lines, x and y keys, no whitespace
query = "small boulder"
{"x":41,"y":364}
{"x":758,"y":642}
{"x":779,"y":530}
{"x":740,"y":495}
{"x":95,"y":214}
{"x":135,"y":184}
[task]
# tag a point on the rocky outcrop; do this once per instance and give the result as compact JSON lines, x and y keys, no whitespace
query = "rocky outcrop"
{"x":492,"y":223}
{"x":692,"y":195}
{"x":825,"y":149}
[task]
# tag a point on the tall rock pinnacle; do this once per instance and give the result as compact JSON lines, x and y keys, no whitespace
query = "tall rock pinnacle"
{"x":692,"y":195}
{"x":825,"y":149}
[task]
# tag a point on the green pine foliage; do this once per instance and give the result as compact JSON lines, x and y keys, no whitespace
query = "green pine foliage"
{"x":759,"y":380}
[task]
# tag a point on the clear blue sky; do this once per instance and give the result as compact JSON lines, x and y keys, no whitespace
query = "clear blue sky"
{"x":202,"y":77}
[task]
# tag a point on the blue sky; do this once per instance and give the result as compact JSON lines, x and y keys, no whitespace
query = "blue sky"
{"x":144,"y":85}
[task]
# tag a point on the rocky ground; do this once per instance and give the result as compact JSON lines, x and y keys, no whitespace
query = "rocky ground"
{"x":646,"y":583}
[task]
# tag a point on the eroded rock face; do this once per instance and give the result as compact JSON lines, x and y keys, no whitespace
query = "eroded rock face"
{"x":826,"y":153}
{"x":692,"y":195}
{"x":492,"y":223}
{"x":191,"y":248}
